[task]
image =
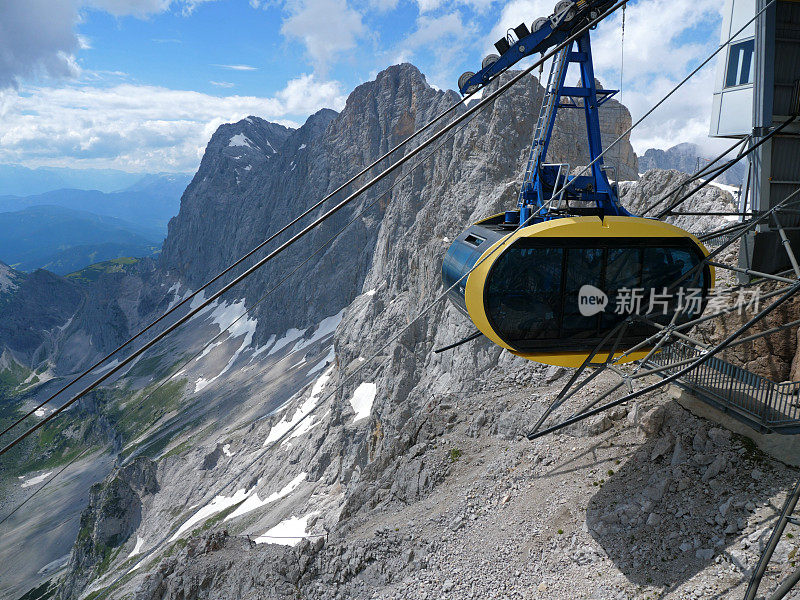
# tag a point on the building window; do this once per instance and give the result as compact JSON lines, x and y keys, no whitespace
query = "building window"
{"x":740,"y":64}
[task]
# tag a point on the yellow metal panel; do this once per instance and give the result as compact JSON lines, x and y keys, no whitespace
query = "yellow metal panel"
{"x":567,"y":227}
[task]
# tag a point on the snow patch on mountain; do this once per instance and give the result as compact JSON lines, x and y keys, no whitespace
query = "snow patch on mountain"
{"x":301,"y":413}
{"x":230,"y":318}
{"x":325,"y":328}
{"x":240,"y":139}
{"x":288,"y":337}
{"x":35,"y":480}
{"x":138,"y":547}
{"x":288,"y":532}
{"x":329,"y":358}
{"x":362,"y":400}
{"x":253,"y":502}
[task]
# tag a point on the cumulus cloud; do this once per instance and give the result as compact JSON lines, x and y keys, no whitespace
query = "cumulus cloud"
{"x":307,"y":94}
{"x":326,"y":28}
{"x":143,"y":8}
{"x":438,"y":38}
{"x":38,"y":37}
{"x":477,"y":5}
{"x":137,"y":127}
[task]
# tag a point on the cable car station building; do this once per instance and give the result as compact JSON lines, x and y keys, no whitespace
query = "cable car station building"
{"x":757,"y":90}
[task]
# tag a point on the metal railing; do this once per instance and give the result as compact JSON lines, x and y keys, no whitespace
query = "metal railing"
{"x":763,"y":404}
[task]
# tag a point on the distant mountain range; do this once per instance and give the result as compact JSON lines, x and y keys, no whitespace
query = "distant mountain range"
{"x":143,"y":208}
{"x":64,"y":230}
{"x":16,"y":180}
{"x":687,"y":158}
{"x":63,"y":240}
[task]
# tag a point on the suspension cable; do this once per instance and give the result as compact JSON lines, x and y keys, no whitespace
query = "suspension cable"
{"x":167,"y":379}
{"x":454,"y":123}
{"x":239,"y":261}
{"x":622,"y":54}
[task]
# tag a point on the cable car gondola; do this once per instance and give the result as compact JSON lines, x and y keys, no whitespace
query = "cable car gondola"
{"x":571,"y":272}
{"x":528,"y":293}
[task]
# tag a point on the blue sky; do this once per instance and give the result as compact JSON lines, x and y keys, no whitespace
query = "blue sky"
{"x":140,"y":85}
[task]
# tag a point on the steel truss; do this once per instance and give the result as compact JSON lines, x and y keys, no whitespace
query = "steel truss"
{"x":629,"y":377}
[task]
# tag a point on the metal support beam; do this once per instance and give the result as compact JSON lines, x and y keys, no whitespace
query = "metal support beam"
{"x":694,"y":364}
{"x":777,"y":532}
{"x":751,"y":272}
{"x":787,"y":245}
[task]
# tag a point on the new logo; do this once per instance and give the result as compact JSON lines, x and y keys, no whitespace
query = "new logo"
{"x":591,"y":300}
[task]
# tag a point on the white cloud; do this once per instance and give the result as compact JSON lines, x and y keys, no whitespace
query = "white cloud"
{"x":137,"y":127}
{"x":383,"y":5}
{"x":38,"y":37}
{"x":143,"y":8}
{"x":440,"y":39}
{"x":326,"y":28}
{"x":306,"y":94}
{"x":237,"y":67}
{"x":136,"y":8}
{"x":477,"y":5}
{"x":222,"y":84}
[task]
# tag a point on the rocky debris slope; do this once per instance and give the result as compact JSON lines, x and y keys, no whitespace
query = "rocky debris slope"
{"x":647,"y":501}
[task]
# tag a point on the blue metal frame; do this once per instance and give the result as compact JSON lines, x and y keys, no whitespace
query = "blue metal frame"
{"x":543,"y":179}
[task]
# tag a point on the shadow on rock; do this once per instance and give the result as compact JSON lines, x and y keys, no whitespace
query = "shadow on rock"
{"x":682,"y":500}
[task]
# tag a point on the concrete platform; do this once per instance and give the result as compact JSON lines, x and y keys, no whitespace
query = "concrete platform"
{"x":785,"y":448}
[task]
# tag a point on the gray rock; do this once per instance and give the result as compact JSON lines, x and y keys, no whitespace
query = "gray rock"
{"x":653,"y":519}
{"x":113,"y":514}
{"x":652,"y":421}
{"x":554,"y":373}
{"x":687,"y":158}
{"x":704,"y":553}
{"x":661,"y":448}
{"x":715,"y":468}
{"x":599,"y":424}
{"x":678,"y":453}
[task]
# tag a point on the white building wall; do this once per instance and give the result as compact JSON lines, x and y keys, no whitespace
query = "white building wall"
{"x":732,"y":107}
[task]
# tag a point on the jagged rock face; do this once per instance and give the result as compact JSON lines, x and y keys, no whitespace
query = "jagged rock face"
{"x":114,"y":512}
{"x":394,"y":246}
{"x":9,"y":279}
{"x":34,"y":307}
{"x":473,"y":178}
{"x":227,"y":210}
{"x":687,"y":158}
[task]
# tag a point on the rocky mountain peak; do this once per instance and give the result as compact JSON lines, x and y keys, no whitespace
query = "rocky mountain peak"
{"x":251,"y":137}
{"x":687,"y":158}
